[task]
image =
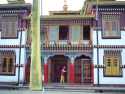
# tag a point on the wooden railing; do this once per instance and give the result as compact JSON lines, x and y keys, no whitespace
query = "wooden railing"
{"x":65,"y":45}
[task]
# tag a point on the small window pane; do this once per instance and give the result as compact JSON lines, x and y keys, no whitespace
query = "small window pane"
{"x":112,"y":63}
{"x":4,"y":67}
{"x":63,"y":32}
{"x":9,"y":27}
{"x":111,"y":26}
{"x":8,"y":61}
{"x":10,"y":65}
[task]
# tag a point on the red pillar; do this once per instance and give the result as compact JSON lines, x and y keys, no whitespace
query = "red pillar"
{"x":71,"y":75}
{"x":92,"y":72}
{"x":45,"y":73}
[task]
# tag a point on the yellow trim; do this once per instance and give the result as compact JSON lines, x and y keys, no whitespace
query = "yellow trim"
{"x":112,"y":66}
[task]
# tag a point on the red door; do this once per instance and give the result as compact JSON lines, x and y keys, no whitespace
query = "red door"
{"x":86,"y":72}
{"x":83,"y":71}
{"x":78,"y":71}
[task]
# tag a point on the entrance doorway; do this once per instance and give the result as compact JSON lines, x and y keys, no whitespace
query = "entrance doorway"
{"x":83,"y":70}
{"x":57,"y":63}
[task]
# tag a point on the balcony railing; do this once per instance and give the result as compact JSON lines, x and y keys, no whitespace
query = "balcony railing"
{"x":66,"y":45}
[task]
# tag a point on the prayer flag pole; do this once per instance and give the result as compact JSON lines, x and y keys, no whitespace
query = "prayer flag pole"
{"x":35,"y":70}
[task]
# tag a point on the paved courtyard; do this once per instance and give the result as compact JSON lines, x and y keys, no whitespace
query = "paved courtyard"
{"x":54,"y":92}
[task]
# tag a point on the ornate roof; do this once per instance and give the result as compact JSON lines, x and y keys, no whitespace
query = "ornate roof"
{"x":66,"y":16}
{"x":64,"y":12}
{"x":15,"y":1}
{"x":105,"y":2}
{"x":85,"y":12}
{"x":90,"y":3}
{"x":21,"y":6}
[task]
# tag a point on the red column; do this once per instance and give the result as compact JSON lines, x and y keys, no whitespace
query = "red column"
{"x":92,"y":72}
{"x":71,"y":75}
{"x":45,"y":73}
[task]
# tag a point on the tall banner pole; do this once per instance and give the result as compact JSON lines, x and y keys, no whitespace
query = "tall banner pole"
{"x":35,"y":70}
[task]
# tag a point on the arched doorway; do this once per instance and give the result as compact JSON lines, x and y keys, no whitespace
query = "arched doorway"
{"x":83,"y":70}
{"x":56,"y":64}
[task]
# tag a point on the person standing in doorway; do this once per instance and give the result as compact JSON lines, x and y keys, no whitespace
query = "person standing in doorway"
{"x":63,"y":71}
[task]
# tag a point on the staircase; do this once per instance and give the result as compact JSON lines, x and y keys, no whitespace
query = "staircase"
{"x":81,"y":87}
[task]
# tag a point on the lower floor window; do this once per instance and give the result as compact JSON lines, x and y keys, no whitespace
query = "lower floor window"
{"x":7,"y":62}
{"x":112,"y":62}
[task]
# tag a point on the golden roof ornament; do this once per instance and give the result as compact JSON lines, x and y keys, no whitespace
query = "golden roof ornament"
{"x":65,"y":7}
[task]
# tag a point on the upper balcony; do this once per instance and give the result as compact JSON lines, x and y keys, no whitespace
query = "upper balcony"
{"x":67,"y":46}
{"x":66,"y":38}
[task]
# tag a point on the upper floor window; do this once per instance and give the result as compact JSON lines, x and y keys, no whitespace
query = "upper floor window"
{"x":7,"y":63}
{"x":86,"y":32}
{"x":112,"y":61}
{"x":111,"y":26}
{"x":63,"y":32}
{"x":9,"y":27}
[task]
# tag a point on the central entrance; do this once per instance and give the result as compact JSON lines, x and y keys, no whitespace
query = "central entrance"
{"x":57,"y":63}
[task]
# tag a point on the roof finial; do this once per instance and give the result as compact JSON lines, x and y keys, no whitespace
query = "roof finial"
{"x":65,"y":7}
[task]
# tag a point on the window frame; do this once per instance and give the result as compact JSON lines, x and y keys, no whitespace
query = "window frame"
{"x":112,"y":66}
{"x":115,"y":20}
{"x":6,"y":20}
{"x":12,"y":72}
{"x":64,"y":31}
{"x":83,"y":35}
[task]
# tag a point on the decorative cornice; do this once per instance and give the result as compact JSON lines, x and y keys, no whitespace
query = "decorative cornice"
{"x":83,"y":47}
{"x":16,"y":6}
{"x":68,"y":51}
{"x":9,"y":52}
{"x":88,"y":21}
{"x":103,"y":66}
{"x":21,"y":65}
{"x":12,"y":46}
{"x":111,"y":9}
{"x":109,"y":46}
{"x":22,"y":29}
{"x":100,"y":3}
{"x":4,"y":12}
{"x":67,"y":17}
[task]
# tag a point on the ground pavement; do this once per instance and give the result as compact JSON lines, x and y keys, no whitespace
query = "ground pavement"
{"x":63,"y":89}
{"x":27,"y":91}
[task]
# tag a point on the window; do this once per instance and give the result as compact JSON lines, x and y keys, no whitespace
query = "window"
{"x":111,"y":26}
{"x":86,"y":32}
{"x":112,"y":61}
{"x":42,"y":34}
{"x":63,"y":32}
{"x":9,"y":27}
{"x":7,"y":63}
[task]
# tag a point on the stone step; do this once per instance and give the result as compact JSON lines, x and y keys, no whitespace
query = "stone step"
{"x":83,"y":88}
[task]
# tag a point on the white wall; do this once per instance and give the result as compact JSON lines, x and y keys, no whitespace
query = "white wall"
{"x":107,"y":80}
{"x":4,"y":78}
{"x":108,"y":41}
{"x":14,"y":41}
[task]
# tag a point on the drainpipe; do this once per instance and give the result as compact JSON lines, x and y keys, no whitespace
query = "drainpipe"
{"x":98,"y":81}
{"x":20,"y":54}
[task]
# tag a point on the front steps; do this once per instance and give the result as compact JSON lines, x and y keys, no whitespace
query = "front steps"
{"x":73,"y":87}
